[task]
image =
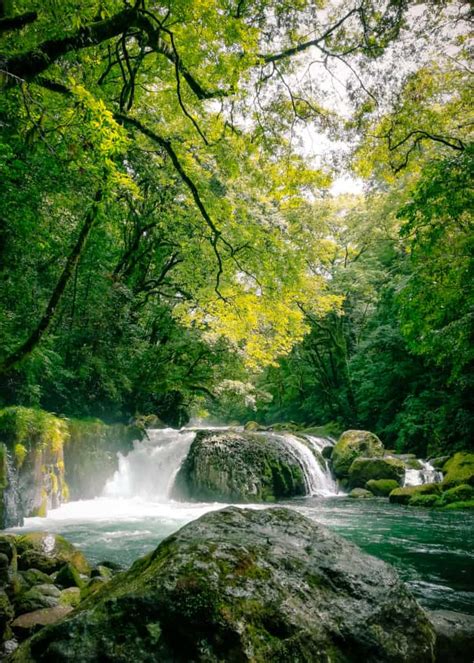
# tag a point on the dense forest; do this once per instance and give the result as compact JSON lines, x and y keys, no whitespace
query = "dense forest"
{"x":171,"y":238}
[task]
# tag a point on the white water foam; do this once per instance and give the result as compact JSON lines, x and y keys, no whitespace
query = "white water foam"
{"x":149,"y":470}
{"x":318,"y":480}
{"x":427,"y":474}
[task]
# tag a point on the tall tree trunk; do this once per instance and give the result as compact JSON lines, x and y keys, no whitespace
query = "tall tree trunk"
{"x":44,"y":324}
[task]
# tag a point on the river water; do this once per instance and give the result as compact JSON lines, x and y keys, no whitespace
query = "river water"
{"x":432,"y":549}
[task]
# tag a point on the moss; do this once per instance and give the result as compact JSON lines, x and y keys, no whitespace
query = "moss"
{"x":469,"y":504}
{"x":403,"y":495}
{"x":358,"y":493}
{"x":363,"y":470}
{"x":381,"y":487}
{"x":351,"y":445}
{"x":461,"y":493}
{"x":20,"y":452}
{"x":424,"y":500}
{"x":459,"y":470}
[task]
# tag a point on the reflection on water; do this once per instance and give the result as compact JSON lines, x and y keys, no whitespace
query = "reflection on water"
{"x":432,"y":550}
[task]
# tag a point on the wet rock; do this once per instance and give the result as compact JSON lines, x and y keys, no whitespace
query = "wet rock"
{"x":239,"y":467}
{"x":34,"y":599}
{"x":381,"y":487}
{"x":6,"y":613}
{"x":438,"y":462}
{"x":360,"y":493}
{"x":101,"y":571}
{"x":364,"y":469}
{"x":48,"y":552}
{"x":30,"y":622}
{"x":70,"y":596}
{"x":351,"y":445}
{"x":93,"y":586}
{"x":459,"y":470}
{"x":405,"y":494}
{"x":245,"y":585}
{"x":454,"y":636}
{"x":34,"y":577}
{"x":68,"y":576}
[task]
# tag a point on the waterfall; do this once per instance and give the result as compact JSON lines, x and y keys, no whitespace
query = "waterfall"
{"x":307,"y":452}
{"x":149,"y":470}
{"x":427,"y":474}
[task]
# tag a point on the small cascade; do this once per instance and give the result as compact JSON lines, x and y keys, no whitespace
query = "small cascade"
{"x":427,"y":474}
{"x":317,"y":476}
{"x":149,"y":470}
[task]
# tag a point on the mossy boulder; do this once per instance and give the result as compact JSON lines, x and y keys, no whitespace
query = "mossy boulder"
{"x":468,"y":504}
{"x":424,"y":500}
{"x":70,"y":596}
{"x":254,"y":426}
{"x":461,"y":493}
{"x":245,"y":585}
{"x":48,"y":552}
{"x":68,"y":576}
{"x":351,"y":445}
{"x":381,"y":487}
{"x":459,"y":470}
{"x":404,"y":495}
{"x":363,"y":470}
{"x":6,"y":613}
{"x":34,"y":440}
{"x":239,"y":467}
{"x":360,"y":493}
{"x":32,"y":577}
{"x":34,"y":599}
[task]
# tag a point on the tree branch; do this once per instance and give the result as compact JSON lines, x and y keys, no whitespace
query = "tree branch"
{"x":17,"y":22}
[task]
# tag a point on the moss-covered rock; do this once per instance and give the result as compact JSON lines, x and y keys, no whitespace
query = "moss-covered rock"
{"x":254,"y":426}
{"x":245,"y":585}
{"x":461,"y":493}
{"x":459,"y":470}
{"x":404,"y":495}
{"x":381,"y":487}
{"x":49,"y":552}
{"x":468,"y":504}
{"x":90,"y":454}
{"x":239,"y":467}
{"x":34,"y":440}
{"x":438,"y":462}
{"x":70,"y":596}
{"x":34,"y":577}
{"x":363,"y":470}
{"x":34,"y":599}
{"x":6,"y":613}
{"x":351,"y":445}
{"x":424,"y":500}
{"x":360,"y":493}
{"x":68,"y":576}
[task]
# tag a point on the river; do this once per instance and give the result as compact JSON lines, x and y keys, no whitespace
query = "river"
{"x":432,"y":549}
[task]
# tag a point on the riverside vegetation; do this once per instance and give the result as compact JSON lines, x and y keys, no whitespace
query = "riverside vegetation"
{"x":171,"y":248}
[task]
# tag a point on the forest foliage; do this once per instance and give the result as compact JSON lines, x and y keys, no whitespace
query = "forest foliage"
{"x":169,"y":246}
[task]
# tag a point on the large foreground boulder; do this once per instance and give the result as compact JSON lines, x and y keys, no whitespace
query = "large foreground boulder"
{"x":454,"y":636}
{"x":245,"y":585}
{"x":351,"y":445}
{"x":239,"y":467}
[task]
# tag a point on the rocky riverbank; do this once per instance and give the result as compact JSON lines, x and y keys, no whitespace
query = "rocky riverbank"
{"x":234,"y":585}
{"x":46,"y":460}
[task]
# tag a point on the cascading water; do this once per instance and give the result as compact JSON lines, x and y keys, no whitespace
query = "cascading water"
{"x":427,"y":474}
{"x":317,"y":476}
{"x":150,"y":469}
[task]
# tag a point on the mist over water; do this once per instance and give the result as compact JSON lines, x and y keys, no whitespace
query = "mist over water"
{"x":431,"y":549}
